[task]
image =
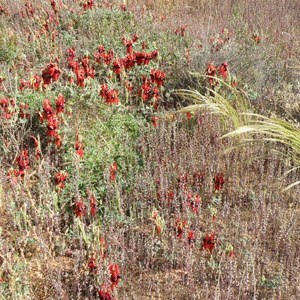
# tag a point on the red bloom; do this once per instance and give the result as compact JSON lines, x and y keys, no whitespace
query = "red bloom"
{"x":37,"y":148}
{"x":115,"y":275}
{"x":117,"y":65}
{"x":80,"y":208}
{"x":211,"y":71}
{"x":60,"y":104}
{"x":158,"y":77}
{"x":188,"y":115}
{"x":113,"y":171}
{"x":219,"y":181}
{"x":191,"y":238}
{"x":58,"y":140}
{"x":105,"y":293}
{"x":23,"y":162}
{"x":47,"y":109}
{"x":79,"y":146}
{"x":92,"y":264}
{"x":110,"y":96}
{"x":37,"y":82}
{"x":88,"y":5}
{"x":61,"y":178}
{"x":209,"y":242}
{"x":181,"y":31}
{"x":80,"y":75}
{"x":223,"y":70}
{"x":179,"y":226}
{"x":24,"y":85}
{"x":154,"y":121}
{"x":51,"y":72}
{"x":194,"y":203}
{"x":93,"y":203}
{"x":52,"y":125}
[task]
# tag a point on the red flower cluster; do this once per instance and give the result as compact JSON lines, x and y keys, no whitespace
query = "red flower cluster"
{"x":194,"y":202}
{"x":52,"y":118}
{"x":80,"y":208}
{"x":211,"y":71}
{"x":179,"y":226}
{"x":60,"y":104}
{"x":113,"y":171}
{"x":129,"y":44}
{"x":8,"y":107}
{"x":102,"y":56}
{"x":92,"y":263}
{"x":181,"y":31}
{"x":82,"y":70}
{"x":223,"y":70}
{"x":105,"y":293}
{"x":93,"y":203}
{"x":37,"y":148}
{"x":60,"y":179}
{"x":23,"y":162}
{"x":115,"y":275}
{"x":88,"y":4}
{"x":219,"y":181}
{"x":53,"y":4}
{"x":110,"y":96}
{"x":209,"y":242}
{"x":33,"y":84}
{"x":157,"y":77}
{"x":79,"y":146}
{"x":191,"y":238}
{"x":50,"y":73}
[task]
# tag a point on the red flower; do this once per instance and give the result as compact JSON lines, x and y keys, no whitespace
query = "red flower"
{"x":80,"y":208}
{"x":71,"y":53}
{"x":37,"y":82}
{"x":92,"y":264}
{"x":37,"y":148}
{"x":58,"y":140}
{"x":79,"y":146}
{"x":60,"y":104}
{"x":61,"y":178}
{"x":113,"y":171}
{"x":219,"y":181}
{"x":47,"y":109}
{"x":191,"y":238}
{"x":209,"y":242}
{"x":194,"y":203}
{"x":223,"y":70}
{"x":211,"y":71}
{"x":188,"y":115}
{"x":88,"y":5}
{"x":93,"y":203}
{"x":117,"y":65}
{"x":105,"y":293}
{"x":80,"y":75}
{"x":158,"y":77}
{"x":52,"y":125}
{"x":181,"y":31}
{"x":23,"y":162}
{"x":154,"y":121}
{"x":51,"y":72}
{"x":115,"y":275}
{"x":179,"y":226}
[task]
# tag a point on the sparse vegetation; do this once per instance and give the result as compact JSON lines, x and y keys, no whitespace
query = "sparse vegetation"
{"x":146,"y":148}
